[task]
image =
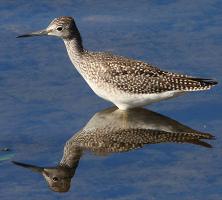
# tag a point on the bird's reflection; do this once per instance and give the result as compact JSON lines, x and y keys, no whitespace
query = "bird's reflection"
{"x":112,"y":131}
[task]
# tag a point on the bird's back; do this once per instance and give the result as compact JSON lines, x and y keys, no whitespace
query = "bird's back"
{"x":137,"y":77}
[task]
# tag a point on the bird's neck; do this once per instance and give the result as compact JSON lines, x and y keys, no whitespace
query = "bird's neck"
{"x":74,"y":48}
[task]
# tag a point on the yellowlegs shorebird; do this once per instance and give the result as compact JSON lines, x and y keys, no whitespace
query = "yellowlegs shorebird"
{"x":120,"y":131}
{"x":126,"y":82}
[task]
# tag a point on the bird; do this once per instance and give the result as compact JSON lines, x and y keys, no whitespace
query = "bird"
{"x":119,"y":132}
{"x":125,"y":82}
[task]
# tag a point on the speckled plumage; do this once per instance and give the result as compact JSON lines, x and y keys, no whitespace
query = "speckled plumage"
{"x":134,"y":77}
{"x":126,"y":82}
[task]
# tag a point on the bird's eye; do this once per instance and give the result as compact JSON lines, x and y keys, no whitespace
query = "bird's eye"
{"x":55,"y":179}
{"x":59,"y":28}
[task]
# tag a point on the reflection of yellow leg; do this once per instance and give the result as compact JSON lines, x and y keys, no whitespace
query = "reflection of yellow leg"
{"x":124,"y":119}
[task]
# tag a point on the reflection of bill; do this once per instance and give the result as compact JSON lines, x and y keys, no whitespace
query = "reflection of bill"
{"x":113,"y":131}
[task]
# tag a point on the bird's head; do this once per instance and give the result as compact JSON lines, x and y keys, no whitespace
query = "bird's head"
{"x":63,"y":27}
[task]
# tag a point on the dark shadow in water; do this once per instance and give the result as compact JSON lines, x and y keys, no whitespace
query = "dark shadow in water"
{"x":114,"y":131}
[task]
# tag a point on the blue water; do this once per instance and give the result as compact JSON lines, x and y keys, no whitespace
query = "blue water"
{"x":44,"y":101}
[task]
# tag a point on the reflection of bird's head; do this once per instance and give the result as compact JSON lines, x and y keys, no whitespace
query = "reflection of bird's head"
{"x":58,"y":178}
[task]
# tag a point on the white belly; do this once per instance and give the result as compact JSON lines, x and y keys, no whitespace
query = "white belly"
{"x":138,"y":100}
{"x":126,"y":101}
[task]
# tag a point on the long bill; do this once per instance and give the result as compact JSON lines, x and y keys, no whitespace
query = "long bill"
{"x":36,"y":33}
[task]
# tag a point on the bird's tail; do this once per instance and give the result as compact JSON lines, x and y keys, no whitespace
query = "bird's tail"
{"x":195,"y":84}
{"x":205,"y":82}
